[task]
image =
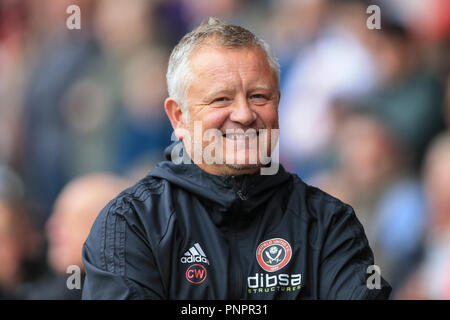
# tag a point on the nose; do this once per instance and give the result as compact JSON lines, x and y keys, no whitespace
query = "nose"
{"x":242,"y":113}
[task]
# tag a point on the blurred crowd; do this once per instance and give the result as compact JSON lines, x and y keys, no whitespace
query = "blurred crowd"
{"x":364,"y":115}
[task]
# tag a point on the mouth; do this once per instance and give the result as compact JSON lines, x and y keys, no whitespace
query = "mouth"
{"x":241,"y":136}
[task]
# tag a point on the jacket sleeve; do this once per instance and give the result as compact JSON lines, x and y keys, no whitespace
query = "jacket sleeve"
{"x":346,"y":270}
{"x":118,"y":260}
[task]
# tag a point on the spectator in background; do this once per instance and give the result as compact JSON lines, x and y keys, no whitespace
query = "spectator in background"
{"x":75,"y":210}
{"x":145,"y":129}
{"x":372,"y":174}
{"x":19,"y":242}
{"x":294,"y":26}
{"x":12,"y":77}
{"x":410,"y":96}
{"x":59,"y":57}
{"x":93,"y":107}
{"x":432,"y":279}
{"x":122,"y":29}
{"x":133,"y":73}
{"x":336,"y":63}
{"x":77,"y":106}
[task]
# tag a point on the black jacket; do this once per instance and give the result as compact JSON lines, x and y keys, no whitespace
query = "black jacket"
{"x":181,"y":233}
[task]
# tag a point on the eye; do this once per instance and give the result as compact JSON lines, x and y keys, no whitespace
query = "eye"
{"x":258,"y":98}
{"x":221,"y":99}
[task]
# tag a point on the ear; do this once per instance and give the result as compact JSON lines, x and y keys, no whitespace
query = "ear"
{"x":175,"y":114}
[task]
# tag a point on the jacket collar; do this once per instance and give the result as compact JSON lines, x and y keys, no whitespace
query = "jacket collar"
{"x":226,"y":191}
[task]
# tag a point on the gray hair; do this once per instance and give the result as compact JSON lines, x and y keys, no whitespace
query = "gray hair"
{"x":222,"y":34}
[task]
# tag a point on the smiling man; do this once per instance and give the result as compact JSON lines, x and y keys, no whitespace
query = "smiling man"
{"x":217,"y":225}
{"x":232,"y":97}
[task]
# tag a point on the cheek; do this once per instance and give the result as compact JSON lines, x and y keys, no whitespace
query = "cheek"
{"x":269,"y":116}
{"x":212,"y":119}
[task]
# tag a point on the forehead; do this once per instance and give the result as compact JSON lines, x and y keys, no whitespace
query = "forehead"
{"x":218,"y":63}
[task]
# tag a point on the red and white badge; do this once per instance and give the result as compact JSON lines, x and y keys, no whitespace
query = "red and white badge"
{"x":273,"y":254}
{"x":196,"y":274}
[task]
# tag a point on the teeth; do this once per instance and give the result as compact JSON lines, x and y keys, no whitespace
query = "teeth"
{"x":237,"y":136}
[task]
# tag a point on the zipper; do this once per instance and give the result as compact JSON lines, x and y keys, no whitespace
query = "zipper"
{"x":239,"y":188}
{"x":238,"y":290}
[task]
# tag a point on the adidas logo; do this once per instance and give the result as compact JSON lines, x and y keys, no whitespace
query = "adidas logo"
{"x":195,"y":254}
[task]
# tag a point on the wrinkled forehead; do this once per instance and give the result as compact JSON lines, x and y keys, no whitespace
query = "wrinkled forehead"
{"x":216,"y":62}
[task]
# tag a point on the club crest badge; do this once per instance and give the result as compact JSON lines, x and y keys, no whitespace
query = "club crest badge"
{"x":273,"y":254}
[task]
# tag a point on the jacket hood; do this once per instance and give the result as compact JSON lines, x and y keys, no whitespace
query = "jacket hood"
{"x":251,"y":190}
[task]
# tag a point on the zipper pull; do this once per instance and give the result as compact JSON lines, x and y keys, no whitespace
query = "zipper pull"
{"x":241,"y":195}
{"x":237,"y":185}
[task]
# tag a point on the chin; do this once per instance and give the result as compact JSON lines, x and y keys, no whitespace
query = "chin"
{"x":238,"y":169}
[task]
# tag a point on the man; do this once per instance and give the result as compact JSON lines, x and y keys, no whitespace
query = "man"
{"x":431,"y":277}
{"x":74,"y":212}
{"x":223,"y":227}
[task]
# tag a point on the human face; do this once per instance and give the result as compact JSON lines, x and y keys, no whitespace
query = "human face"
{"x":67,"y":229}
{"x":230,"y":90}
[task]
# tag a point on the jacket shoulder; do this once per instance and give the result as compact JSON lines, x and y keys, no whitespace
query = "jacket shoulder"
{"x":318,"y":203}
{"x":141,"y":190}
{"x":342,"y":246}
{"x":138,"y":209}
{"x":123,"y":236}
